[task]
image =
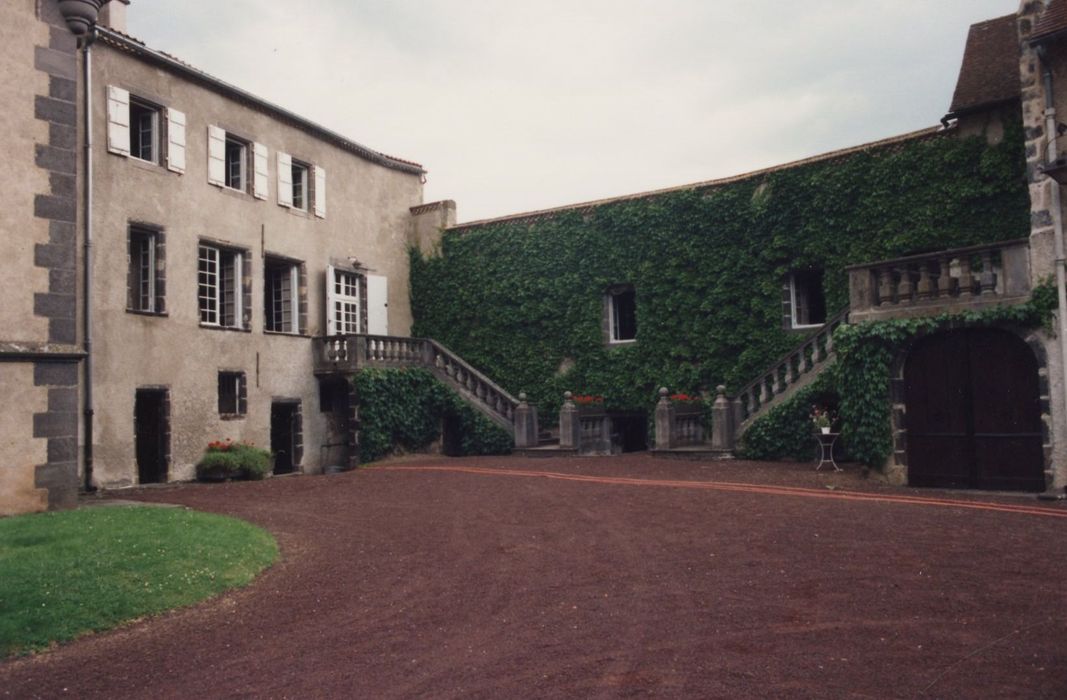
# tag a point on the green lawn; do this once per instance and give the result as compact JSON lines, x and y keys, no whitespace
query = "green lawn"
{"x":65,"y":574}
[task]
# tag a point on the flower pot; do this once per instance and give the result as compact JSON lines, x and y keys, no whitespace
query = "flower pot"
{"x":825,"y":431}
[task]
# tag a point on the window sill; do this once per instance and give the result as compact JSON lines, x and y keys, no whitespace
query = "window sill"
{"x":143,"y":164}
{"x":296,"y":211}
{"x":620,"y":343}
{"x":231,"y":416}
{"x":157,"y":314}
{"x":806,"y":327}
{"x":234,"y":192}
{"x":283,"y":333}
{"x":210,"y":327}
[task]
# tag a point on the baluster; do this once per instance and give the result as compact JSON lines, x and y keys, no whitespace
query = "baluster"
{"x":905,"y":286}
{"x":829,"y":343}
{"x":988,"y":279}
{"x":926,"y":284}
{"x":809,"y":357}
{"x":885,"y":286}
{"x":966,"y":281}
{"x":944,"y":277}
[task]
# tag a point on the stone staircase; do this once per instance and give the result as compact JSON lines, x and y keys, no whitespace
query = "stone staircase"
{"x":348,"y":354}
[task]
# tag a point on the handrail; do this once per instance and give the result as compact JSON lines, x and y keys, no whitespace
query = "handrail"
{"x":934,"y":254}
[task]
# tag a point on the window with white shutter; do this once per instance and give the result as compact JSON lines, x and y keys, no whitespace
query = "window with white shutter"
{"x":118,"y":120}
{"x":320,"y":191}
{"x":176,"y":140}
{"x":216,"y":156}
{"x":285,"y":179}
{"x":342,"y":301}
{"x":260,"y":187}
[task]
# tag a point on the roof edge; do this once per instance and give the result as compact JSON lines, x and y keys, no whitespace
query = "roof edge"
{"x":143,"y":51}
{"x":705,"y":184}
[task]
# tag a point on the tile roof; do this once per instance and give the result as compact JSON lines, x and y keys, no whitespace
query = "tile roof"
{"x":135,"y":47}
{"x":531,"y":216}
{"x":1052,"y":22}
{"x":990,"y":70}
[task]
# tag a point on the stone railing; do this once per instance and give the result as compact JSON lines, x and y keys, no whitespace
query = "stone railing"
{"x":587,"y":429}
{"x":348,"y":354}
{"x":921,"y":285}
{"x":793,"y":370}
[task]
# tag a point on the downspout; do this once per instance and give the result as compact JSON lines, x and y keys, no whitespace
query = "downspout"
{"x":87,"y":274}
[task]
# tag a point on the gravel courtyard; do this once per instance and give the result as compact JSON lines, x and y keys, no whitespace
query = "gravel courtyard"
{"x":601,"y":578}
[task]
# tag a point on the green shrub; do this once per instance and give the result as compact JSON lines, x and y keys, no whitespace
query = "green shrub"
{"x":227,"y":460}
{"x":406,"y":408}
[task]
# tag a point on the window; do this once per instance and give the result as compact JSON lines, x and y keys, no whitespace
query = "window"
{"x":344,"y":306}
{"x":806,"y":300}
{"x":136,"y":127}
{"x":144,"y":131}
{"x":144,"y":278}
{"x":233,"y":394}
{"x":236,"y":163}
{"x":281,"y":296}
{"x":300,"y":186}
{"x":622,"y":314}
{"x":220,"y":287}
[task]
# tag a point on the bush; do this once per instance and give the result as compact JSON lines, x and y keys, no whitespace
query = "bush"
{"x":227,"y":460}
{"x":406,"y":408}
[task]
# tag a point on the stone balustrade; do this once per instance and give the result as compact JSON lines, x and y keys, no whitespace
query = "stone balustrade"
{"x":348,"y":354}
{"x":948,"y":280}
{"x":793,"y":369}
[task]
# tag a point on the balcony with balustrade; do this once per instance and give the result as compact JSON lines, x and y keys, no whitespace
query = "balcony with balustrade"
{"x":955,"y":280}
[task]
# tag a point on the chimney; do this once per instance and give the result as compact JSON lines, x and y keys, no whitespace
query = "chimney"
{"x":113,"y":15}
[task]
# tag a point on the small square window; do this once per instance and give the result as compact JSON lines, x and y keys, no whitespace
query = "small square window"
{"x":233,"y":396}
{"x":236,"y":163}
{"x":300,"y":185}
{"x":807,"y":302}
{"x":144,"y":277}
{"x":144,"y":131}
{"x":622,"y":314}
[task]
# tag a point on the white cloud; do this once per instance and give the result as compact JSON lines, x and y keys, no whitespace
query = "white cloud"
{"x":516,"y":106}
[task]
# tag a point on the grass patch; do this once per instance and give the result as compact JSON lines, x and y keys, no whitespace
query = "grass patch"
{"x":66,"y":574}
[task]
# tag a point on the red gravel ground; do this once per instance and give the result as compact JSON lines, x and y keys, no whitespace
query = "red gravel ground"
{"x":616,"y":577}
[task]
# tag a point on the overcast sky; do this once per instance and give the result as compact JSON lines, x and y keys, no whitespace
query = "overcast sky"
{"x":514,"y":106}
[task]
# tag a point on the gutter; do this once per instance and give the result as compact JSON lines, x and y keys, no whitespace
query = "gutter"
{"x":122,"y":41}
{"x":87,"y":262}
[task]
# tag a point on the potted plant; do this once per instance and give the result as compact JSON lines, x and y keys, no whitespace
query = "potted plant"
{"x":822,"y":419}
{"x":588,"y":404}
{"x":233,"y":460}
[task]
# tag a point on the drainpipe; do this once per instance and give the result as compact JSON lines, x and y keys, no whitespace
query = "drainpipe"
{"x":87,"y":275}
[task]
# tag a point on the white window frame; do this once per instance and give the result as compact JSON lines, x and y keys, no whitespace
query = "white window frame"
{"x":145,"y":265}
{"x":136,"y":127}
{"x":216,"y":276}
{"x":241,"y":163}
{"x":275,"y":317}
{"x":793,"y":306}
{"x":613,"y":317}
{"x":343,"y":302}
{"x":299,"y":183}
{"x":238,"y":379}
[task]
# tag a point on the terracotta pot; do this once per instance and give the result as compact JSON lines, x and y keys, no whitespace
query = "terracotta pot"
{"x":80,"y":14}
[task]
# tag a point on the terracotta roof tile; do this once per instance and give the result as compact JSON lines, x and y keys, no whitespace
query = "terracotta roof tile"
{"x":990,"y":70}
{"x":1053,"y":21}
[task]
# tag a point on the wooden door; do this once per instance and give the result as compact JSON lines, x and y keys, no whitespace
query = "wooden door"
{"x":973,"y":412}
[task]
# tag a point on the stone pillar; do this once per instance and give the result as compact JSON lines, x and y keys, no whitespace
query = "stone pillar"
{"x":525,"y":423}
{"x":722,"y":422}
{"x":569,"y":425}
{"x":664,"y":421}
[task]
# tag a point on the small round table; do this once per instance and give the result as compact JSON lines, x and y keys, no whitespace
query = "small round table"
{"x":826,"y":450}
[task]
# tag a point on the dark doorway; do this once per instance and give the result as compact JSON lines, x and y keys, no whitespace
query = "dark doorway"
{"x":630,"y":431}
{"x":974,"y":412}
{"x":151,"y":435}
{"x":335,"y":401}
{"x":285,"y":436}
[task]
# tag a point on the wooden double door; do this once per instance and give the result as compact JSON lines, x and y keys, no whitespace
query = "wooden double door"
{"x":974,"y":412}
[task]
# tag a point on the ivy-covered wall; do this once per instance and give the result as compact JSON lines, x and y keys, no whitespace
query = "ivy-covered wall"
{"x":523,"y":300}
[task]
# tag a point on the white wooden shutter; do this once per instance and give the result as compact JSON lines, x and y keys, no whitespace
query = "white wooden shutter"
{"x":176,"y":140}
{"x":285,"y":179}
{"x":377,"y":305}
{"x":320,"y":192}
{"x":331,"y":301}
{"x":260,"y":186}
{"x":216,"y":155}
{"x":118,"y":120}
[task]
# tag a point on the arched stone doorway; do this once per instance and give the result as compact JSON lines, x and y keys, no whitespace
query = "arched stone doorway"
{"x":973,"y":411}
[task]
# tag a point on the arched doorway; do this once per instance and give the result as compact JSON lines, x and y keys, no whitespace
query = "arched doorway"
{"x":974,"y":412}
